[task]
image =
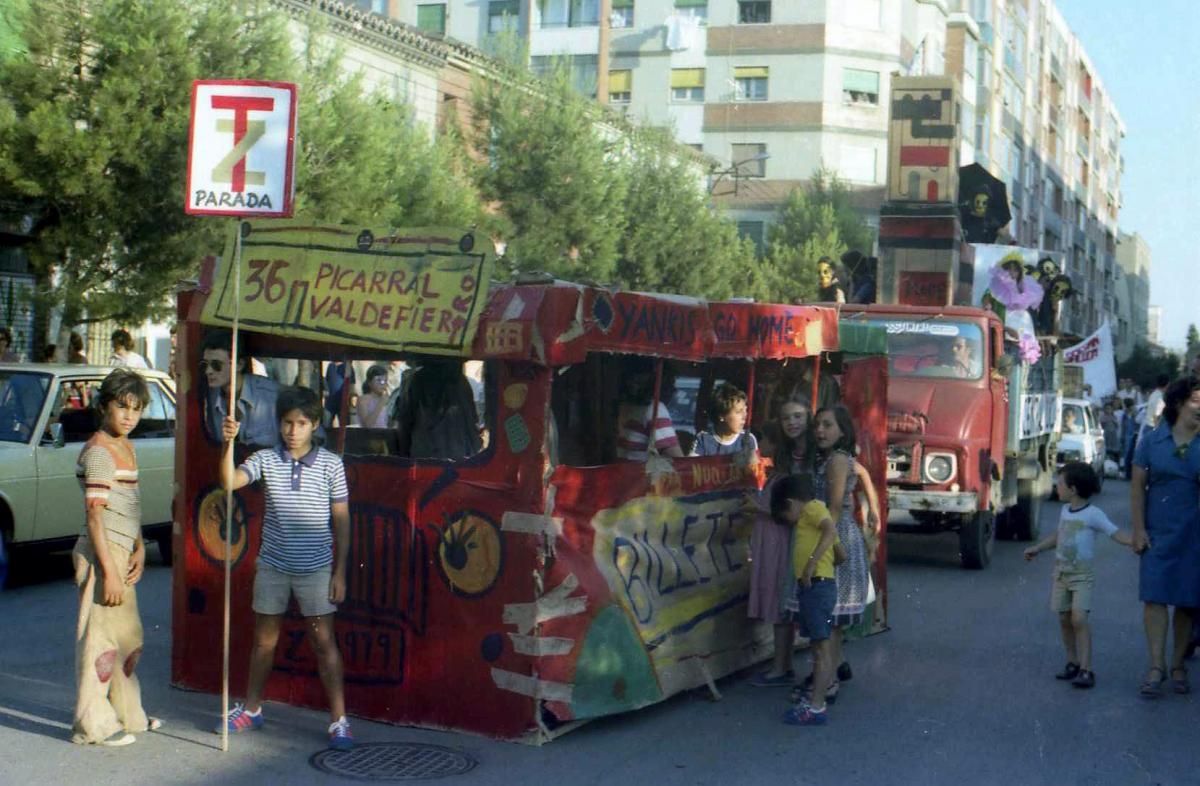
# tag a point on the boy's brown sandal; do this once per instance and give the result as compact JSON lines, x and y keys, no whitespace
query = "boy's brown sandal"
{"x":1180,"y":684}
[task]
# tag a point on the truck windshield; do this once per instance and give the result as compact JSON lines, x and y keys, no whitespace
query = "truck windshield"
{"x":21,"y":399}
{"x":933,"y":348}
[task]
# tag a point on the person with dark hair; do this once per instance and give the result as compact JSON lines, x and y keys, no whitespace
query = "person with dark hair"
{"x":829,"y":285}
{"x":837,"y":479}
{"x":122,"y":351}
{"x":727,"y":410}
{"x":372,"y":404}
{"x":1166,"y":532}
{"x":7,"y":355}
{"x":638,"y":428}
{"x":435,"y":414}
{"x":109,"y":558}
{"x":75,"y":353}
{"x":49,"y":354}
{"x":813,"y":592}
{"x":1074,"y":543}
{"x":301,"y":556}
{"x":255,"y":395}
{"x":788,"y":440}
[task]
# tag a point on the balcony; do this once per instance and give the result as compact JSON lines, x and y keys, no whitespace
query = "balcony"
{"x":1013,"y":63}
{"x":1054,"y":117}
{"x":1082,"y":148}
{"x":1011,"y":124}
{"x":987,"y":35}
{"x":1056,"y":70}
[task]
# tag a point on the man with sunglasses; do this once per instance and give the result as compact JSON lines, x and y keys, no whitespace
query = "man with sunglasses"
{"x":255,"y":394}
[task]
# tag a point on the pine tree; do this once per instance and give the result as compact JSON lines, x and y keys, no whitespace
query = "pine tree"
{"x":1193,"y":340}
{"x":816,"y":221}
{"x":550,"y":171}
{"x":93,"y":143}
{"x":673,"y":242}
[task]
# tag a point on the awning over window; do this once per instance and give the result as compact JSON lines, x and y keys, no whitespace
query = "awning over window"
{"x":750,"y":72}
{"x":620,"y":81}
{"x":690,"y":3}
{"x":860,"y":81}
{"x":687,"y":77}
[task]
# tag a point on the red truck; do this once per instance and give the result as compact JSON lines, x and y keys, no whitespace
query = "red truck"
{"x":970,"y":426}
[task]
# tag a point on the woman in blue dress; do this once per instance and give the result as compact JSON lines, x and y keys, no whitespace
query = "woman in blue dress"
{"x":1165,"y":502}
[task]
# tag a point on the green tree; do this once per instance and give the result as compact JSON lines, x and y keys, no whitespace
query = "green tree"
{"x":93,"y":141}
{"x":673,"y":241}
{"x":818,"y":220}
{"x":549,"y":170}
{"x":363,"y":160}
{"x":1193,"y":340}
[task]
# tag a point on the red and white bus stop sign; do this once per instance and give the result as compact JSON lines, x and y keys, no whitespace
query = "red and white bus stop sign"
{"x":241,"y":148}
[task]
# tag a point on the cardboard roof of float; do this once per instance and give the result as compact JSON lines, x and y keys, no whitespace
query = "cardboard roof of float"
{"x":427,"y":290}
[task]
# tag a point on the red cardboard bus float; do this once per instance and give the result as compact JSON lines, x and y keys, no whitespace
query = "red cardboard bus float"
{"x":538,"y":582}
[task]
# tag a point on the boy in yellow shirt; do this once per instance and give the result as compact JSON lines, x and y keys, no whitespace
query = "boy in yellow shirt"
{"x":814,"y":541}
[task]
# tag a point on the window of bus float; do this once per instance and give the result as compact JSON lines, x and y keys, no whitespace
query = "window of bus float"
{"x":604,"y":409}
{"x":419,"y":407}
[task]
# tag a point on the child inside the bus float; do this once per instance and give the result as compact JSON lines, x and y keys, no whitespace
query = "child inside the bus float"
{"x":727,"y":411}
{"x":305,"y":489}
{"x":638,"y":429}
{"x":435,"y":415}
{"x":109,"y":557}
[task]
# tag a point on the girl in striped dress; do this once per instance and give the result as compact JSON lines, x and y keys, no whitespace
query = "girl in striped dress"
{"x":109,"y":558}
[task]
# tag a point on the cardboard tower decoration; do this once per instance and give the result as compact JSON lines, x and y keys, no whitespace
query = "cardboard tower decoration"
{"x":922,"y":257}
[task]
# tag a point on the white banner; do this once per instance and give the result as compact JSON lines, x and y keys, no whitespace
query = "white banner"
{"x":1095,"y":356}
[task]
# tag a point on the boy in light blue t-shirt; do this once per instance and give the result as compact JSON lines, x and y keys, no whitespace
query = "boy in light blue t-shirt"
{"x":1074,"y":574}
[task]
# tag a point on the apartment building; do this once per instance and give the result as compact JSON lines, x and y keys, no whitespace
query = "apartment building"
{"x":774,"y":89}
{"x":1133,"y":294}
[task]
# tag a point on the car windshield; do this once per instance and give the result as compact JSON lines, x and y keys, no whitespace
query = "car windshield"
{"x":933,"y":348}
{"x":1072,"y":419}
{"x":21,"y":398}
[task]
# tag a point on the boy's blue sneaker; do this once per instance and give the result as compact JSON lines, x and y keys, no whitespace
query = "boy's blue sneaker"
{"x":804,"y":715}
{"x":240,"y":720}
{"x":340,"y":738}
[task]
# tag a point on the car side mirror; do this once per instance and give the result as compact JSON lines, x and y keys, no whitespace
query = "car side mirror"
{"x":1004,"y":365}
{"x":57,"y":435}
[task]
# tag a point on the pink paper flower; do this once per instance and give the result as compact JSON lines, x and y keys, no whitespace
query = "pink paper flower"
{"x":1030,"y":350}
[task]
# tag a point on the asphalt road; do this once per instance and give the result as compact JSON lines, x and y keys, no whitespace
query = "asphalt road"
{"x":959,"y":691}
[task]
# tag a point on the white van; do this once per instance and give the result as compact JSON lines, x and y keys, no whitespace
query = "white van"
{"x":1080,"y":436}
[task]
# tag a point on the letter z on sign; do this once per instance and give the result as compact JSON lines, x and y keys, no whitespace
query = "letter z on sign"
{"x":241,"y":148}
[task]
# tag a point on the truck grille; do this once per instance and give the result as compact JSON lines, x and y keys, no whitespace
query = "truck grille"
{"x":900,"y":463}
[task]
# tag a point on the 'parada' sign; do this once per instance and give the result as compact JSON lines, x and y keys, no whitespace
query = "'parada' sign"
{"x":241,"y":149}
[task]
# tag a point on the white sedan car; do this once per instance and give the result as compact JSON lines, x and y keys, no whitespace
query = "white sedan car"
{"x":45,"y":417}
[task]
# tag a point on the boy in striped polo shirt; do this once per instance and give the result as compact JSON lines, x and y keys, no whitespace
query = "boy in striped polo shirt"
{"x":305,"y":488}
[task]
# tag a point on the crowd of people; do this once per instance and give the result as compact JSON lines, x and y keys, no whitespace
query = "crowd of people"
{"x":817,"y":521}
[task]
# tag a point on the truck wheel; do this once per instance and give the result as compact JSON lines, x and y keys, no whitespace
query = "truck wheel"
{"x":976,"y":539}
{"x":1024,"y":517}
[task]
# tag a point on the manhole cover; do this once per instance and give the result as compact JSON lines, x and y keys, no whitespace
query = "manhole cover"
{"x":393,"y":761}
